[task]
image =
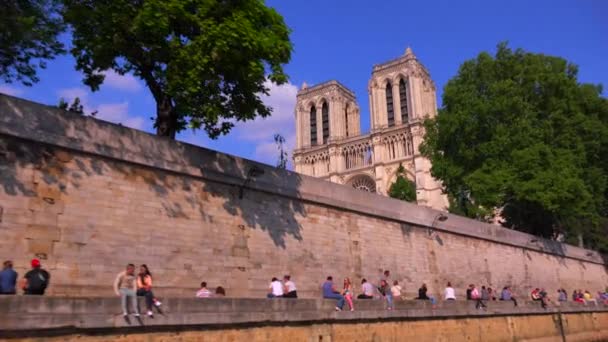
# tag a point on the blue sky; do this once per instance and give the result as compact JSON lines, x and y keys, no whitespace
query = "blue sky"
{"x":339,"y":39}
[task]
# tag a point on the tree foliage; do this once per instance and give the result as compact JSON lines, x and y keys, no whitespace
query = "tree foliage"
{"x":206,"y":62}
{"x":282,"y":159}
{"x":29,"y":32}
{"x":520,"y":136}
{"x":403,"y":188}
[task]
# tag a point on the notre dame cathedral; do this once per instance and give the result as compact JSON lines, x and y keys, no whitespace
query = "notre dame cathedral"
{"x":329,"y":143}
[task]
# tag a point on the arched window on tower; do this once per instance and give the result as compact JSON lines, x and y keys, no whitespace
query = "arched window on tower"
{"x":325,"y":118}
{"x":346,"y":119}
{"x":313,"y":126}
{"x":403,"y":101}
{"x":389,"y":105}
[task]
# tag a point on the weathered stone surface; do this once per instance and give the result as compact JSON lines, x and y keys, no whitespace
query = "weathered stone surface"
{"x":91,"y":196}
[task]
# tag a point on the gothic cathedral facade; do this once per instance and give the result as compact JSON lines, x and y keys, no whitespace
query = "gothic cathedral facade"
{"x":329,"y":143}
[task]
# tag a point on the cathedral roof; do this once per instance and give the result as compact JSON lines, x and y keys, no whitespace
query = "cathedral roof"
{"x":307,"y":89}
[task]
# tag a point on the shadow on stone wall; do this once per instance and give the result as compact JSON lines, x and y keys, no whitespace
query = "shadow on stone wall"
{"x":171,"y":169}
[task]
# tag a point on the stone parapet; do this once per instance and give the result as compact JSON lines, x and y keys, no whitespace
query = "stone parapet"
{"x":41,"y":316}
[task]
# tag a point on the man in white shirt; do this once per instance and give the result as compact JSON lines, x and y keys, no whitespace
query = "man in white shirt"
{"x":289,"y":287}
{"x":367,"y":289}
{"x":450,"y":294}
{"x":276,"y":288}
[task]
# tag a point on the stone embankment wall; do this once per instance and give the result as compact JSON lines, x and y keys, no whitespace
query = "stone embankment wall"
{"x":87,"y":197}
{"x":29,"y":318}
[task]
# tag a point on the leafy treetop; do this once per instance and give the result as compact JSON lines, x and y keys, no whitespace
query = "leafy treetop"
{"x":29,"y":32}
{"x":206,"y":62}
{"x":520,"y":136}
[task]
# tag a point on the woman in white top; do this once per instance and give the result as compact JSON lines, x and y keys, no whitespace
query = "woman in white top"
{"x":276,"y":288}
{"x":449,"y":292}
{"x":289,"y":288}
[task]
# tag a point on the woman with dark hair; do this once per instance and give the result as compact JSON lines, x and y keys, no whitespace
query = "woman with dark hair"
{"x":220,"y":292}
{"x":144,"y":288}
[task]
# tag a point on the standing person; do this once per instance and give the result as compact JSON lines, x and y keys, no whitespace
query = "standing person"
{"x":476,"y":296}
{"x":275,"y":289}
{"x":125,"y":286}
{"x":329,"y":292}
{"x":506,"y":294}
{"x":203,"y":292}
{"x":396,"y":290}
{"x":144,"y":288}
{"x":385,"y":291}
{"x":347,"y":292}
{"x":367,"y":290}
{"x":449,"y":293}
{"x":289,"y":287}
{"x":37,"y":280}
{"x":8,"y":279}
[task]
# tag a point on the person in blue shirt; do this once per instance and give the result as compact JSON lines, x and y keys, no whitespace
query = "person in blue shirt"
{"x":330,"y":292}
{"x":8,"y":279}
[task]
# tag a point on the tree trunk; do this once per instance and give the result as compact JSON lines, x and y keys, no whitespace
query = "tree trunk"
{"x":166,"y":118}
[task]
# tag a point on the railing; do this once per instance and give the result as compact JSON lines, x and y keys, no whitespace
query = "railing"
{"x":358,"y":154}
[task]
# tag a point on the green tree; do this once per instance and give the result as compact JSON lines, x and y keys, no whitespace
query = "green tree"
{"x":520,"y":136}
{"x":29,"y":32}
{"x":403,"y":188}
{"x":282,"y":159}
{"x":206,"y":62}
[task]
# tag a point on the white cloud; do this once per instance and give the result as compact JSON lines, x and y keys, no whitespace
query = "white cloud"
{"x":261,"y":131}
{"x":9,"y":90}
{"x":112,"y":112}
{"x":125,"y":82}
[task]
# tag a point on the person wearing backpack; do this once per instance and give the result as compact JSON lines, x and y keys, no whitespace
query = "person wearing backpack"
{"x":36,"y":280}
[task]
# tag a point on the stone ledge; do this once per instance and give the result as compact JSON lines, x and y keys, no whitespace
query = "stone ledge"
{"x":29,"y":121}
{"x":38,"y":316}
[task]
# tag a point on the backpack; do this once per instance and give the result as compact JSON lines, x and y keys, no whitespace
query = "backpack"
{"x":37,"y":281}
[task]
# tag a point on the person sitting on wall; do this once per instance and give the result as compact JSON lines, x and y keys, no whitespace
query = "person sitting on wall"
{"x":506,"y":294}
{"x":589,"y":298}
{"x":396,"y":290}
{"x":422,"y":293}
{"x":367,"y":288}
{"x":289,"y":287}
{"x":491,"y":294}
{"x":330,"y":292}
{"x":8,"y":279}
{"x":220,"y":292}
{"x":203,"y":292}
{"x":36,"y":280}
{"x":561,"y":295}
{"x":275,"y":288}
{"x":485,"y":295}
{"x":449,"y":293}
{"x":347,"y":292}
{"x":469,"y":290}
